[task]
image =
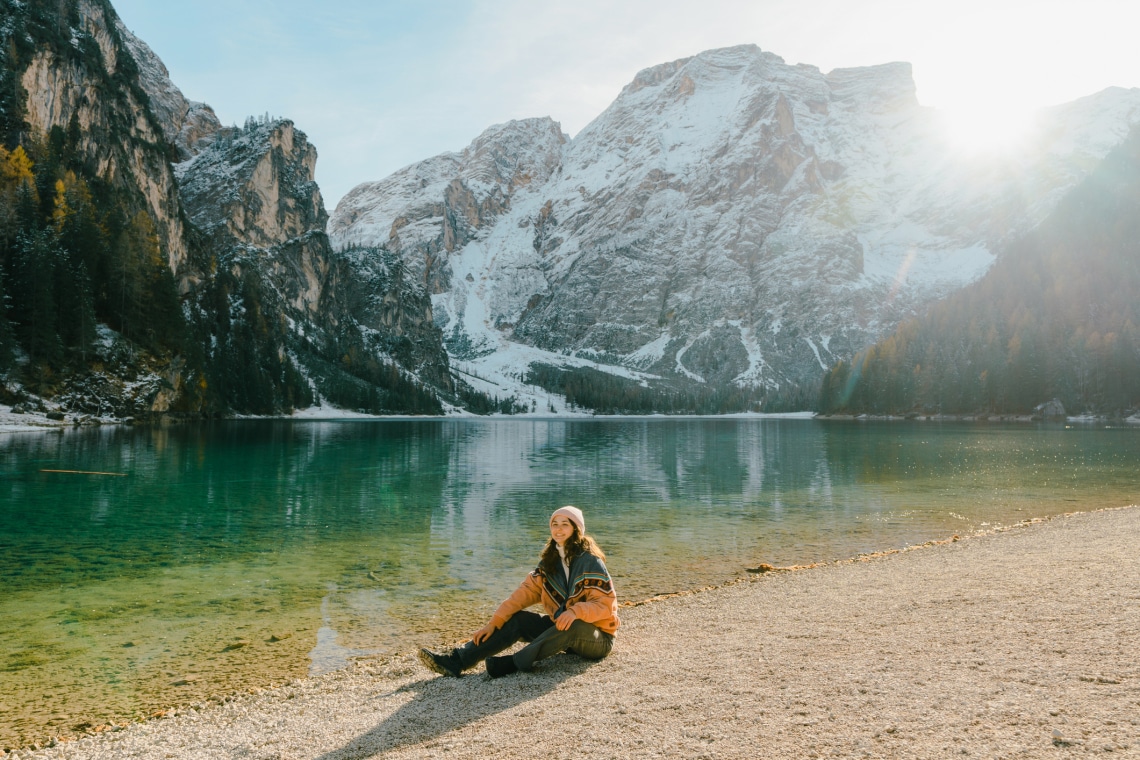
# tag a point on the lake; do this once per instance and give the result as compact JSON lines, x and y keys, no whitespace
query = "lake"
{"x":215,"y":558}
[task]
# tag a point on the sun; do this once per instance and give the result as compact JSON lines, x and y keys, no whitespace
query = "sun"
{"x":988,"y":130}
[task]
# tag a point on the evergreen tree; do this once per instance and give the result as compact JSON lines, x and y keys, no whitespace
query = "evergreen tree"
{"x":32,"y":302}
{"x":73,"y":289}
{"x":140,"y":296}
{"x":7,"y":337}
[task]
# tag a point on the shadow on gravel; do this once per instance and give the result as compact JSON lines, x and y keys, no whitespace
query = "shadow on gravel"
{"x":444,"y":704}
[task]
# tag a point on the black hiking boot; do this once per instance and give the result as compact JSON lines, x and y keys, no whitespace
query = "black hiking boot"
{"x":497,"y":667}
{"x":444,"y":664}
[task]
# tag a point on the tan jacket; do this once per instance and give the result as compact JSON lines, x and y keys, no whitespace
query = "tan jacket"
{"x":591,"y":601}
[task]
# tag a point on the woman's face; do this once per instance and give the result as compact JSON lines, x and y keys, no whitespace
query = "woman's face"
{"x":561,"y":529}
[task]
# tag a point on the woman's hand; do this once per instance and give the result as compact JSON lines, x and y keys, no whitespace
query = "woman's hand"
{"x":481,"y":635}
{"x":565,"y":620}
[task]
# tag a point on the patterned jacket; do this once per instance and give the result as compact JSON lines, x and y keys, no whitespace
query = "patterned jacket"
{"x":589,"y":594}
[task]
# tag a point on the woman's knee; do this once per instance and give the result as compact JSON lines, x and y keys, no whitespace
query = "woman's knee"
{"x":528,"y":625}
{"x":582,"y":628}
{"x":589,"y":641}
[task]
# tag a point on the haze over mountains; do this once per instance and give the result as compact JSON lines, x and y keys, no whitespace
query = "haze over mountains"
{"x":1053,"y":327}
{"x":729,"y":228}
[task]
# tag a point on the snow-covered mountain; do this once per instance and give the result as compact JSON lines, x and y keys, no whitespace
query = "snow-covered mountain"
{"x":728,"y":220}
{"x":351,"y":321}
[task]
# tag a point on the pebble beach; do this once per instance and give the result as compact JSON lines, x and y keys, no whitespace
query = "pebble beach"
{"x":1020,"y":643}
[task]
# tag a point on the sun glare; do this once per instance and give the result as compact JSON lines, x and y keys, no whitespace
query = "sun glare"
{"x":988,"y":130}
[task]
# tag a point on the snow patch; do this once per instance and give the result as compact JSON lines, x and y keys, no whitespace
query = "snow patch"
{"x":815,"y":351}
{"x":680,"y":368}
{"x":651,"y":352}
{"x":324,"y":411}
{"x":756,"y":364}
{"x":27,"y":422}
{"x":502,"y":374}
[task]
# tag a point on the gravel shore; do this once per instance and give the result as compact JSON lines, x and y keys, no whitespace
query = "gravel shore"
{"x":1018,"y":644}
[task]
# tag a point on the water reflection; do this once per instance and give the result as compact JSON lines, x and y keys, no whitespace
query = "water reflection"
{"x":311,"y":542}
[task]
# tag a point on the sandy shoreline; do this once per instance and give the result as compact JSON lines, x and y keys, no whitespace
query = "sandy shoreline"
{"x":1018,"y":644}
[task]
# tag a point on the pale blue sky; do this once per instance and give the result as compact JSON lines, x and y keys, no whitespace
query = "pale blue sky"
{"x":378,"y":85}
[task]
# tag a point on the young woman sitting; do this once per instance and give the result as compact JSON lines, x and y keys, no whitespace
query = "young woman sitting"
{"x":576,"y":592}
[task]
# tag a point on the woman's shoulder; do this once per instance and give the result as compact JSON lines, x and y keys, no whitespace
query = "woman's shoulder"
{"x":587,"y":560}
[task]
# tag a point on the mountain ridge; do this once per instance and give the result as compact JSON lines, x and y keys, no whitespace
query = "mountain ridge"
{"x":727,"y":229}
{"x":728,"y":220}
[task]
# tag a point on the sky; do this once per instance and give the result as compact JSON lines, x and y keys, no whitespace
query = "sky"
{"x":380,"y":84}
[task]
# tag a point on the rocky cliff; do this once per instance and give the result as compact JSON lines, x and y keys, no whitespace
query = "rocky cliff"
{"x":341,"y":317}
{"x":89,"y":83}
{"x":729,"y":221}
{"x":186,"y":259}
{"x":185,"y":124}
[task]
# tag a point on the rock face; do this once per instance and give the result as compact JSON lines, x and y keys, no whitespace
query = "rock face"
{"x":432,"y":210}
{"x":729,"y":220}
{"x":252,"y":196}
{"x":184,"y":123}
{"x":255,"y":191}
{"x":274,"y":319}
{"x":120,"y":138}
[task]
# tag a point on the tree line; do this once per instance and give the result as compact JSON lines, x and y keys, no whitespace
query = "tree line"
{"x":72,"y":255}
{"x":605,"y":393}
{"x":1057,"y":316}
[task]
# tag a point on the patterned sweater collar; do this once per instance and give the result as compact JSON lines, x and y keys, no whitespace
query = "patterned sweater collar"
{"x":586,"y":571}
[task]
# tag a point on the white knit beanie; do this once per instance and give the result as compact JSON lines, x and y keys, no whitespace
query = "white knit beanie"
{"x":574,"y":515}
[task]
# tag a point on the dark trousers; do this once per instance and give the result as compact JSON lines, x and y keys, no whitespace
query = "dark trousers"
{"x":581,"y":638}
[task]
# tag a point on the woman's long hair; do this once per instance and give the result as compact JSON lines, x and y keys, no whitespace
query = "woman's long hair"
{"x":577,"y":544}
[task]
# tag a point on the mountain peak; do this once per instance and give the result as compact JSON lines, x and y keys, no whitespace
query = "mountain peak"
{"x":731,"y":58}
{"x":257,"y":181}
{"x":514,"y":153}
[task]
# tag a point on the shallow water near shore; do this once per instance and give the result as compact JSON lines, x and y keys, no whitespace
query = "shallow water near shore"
{"x":237,"y":555}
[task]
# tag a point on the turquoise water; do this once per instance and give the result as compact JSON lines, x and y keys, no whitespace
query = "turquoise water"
{"x":233,"y":555}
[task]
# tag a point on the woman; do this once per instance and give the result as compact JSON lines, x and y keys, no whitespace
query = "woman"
{"x":574,"y":587}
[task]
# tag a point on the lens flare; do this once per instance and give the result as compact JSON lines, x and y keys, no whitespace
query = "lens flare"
{"x":988,"y":130}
